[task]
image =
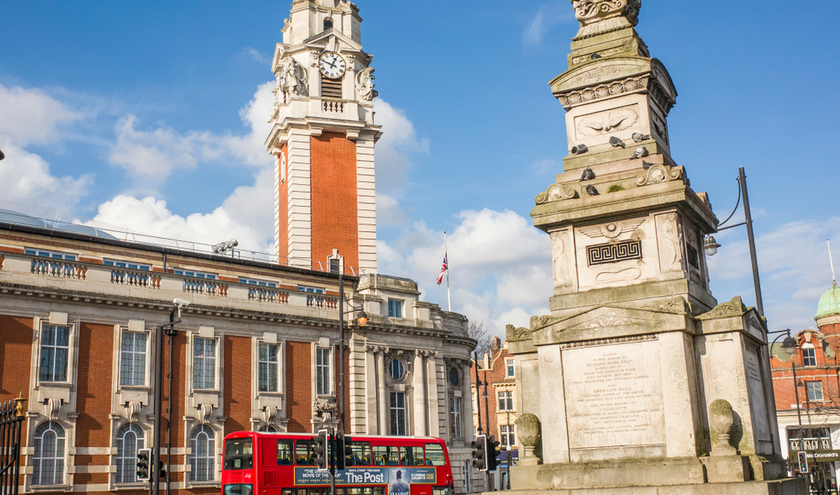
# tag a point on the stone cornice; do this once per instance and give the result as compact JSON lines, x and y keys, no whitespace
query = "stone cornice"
{"x":93,"y":298}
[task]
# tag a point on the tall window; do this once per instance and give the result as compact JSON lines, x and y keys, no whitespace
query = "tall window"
{"x":510,"y":368}
{"x":48,"y":460}
{"x":507,"y":435}
{"x":129,"y":440}
{"x":55,"y":348}
{"x":506,"y":400}
{"x":815,"y":391}
{"x":398,"y":414}
{"x":203,"y":460}
{"x":809,"y":355}
{"x":133,"y":359}
{"x":268,"y":367}
{"x":204,"y":363}
{"x":466,"y":469}
{"x":395,"y":308}
{"x":455,"y":413}
{"x":322,"y":371}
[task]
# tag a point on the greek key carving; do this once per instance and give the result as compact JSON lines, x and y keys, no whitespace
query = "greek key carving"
{"x":612,"y":253}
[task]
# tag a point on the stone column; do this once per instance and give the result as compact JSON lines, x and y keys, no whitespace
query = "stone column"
{"x":466,"y":403}
{"x":383,"y":397}
{"x":371,"y":413}
{"x":433,"y":401}
{"x":421,"y":406}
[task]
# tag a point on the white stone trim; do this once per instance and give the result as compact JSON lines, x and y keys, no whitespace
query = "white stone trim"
{"x":366,"y":201}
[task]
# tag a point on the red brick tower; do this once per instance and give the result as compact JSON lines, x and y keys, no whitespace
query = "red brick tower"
{"x":323,"y":139}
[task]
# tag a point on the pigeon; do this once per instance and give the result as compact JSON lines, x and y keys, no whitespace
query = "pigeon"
{"x":646,"y":165}
{"x":595,"y":55}
{"x":616,"y":143}
{"x":579,"y":149}
{"x":640,"y":152}
{"x":639,"y":137}
{"x":588,"y":174}
{"x":590,"y":190}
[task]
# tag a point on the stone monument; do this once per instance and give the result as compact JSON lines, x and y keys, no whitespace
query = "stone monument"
{"x":638,"y":381}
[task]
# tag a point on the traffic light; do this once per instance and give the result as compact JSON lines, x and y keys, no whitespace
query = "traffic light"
{"x":343,"y":450}
{"x":161,"y":470}
{"x":479,"y":453}
{"x":143,"y":458}
{"x":492,"y":453}
{"x":802,"y":456}
{"x":322,"y":449}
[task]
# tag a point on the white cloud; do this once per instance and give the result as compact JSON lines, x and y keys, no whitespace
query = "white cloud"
{"x":398,"y":140}
{"x":256,"y":55}
{"x":150,"y":156}
{"x":32,"y":116}
{"x":546,"y":17}
{"x":26,"y":178}
{"x":500,"y":266}
{"x":388,"y":211}
{"x":793,"y":265}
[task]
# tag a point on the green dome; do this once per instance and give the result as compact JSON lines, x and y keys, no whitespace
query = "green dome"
{"x":829,"y":303}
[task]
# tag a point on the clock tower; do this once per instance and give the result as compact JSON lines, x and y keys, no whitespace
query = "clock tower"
{"x":323,"y":139}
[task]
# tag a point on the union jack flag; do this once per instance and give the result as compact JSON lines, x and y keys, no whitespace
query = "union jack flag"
{"x":442,"y":270}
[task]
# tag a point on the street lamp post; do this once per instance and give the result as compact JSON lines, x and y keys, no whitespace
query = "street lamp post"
{"x":790,"y":346}
{"x":710,"y":245}
{"x":174,"y":317}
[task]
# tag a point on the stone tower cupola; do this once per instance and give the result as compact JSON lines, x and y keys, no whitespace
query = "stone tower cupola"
{"x":323,"y":139}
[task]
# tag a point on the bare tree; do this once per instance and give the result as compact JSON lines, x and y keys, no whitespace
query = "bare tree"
{"x":478,"y":331}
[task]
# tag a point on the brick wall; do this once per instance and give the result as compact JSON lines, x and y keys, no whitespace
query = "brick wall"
{"x":299,"y":386}
{"x":825,"y":372}
{"x":15,"y":356}
{"x":335,"y":221}
{"x":237,"y":379}
{"x":96,"y":360}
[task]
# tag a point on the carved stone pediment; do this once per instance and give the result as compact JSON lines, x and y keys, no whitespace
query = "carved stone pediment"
{"x":608,"y":322}
{"x":514,"y":334}
{"x":657,"y":173}
{"x":733,"y":307}
{"x":556,"y":192}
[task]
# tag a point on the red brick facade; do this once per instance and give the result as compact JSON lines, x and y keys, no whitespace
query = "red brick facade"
{"x":498,"y":379}
{"x":335,"y":223}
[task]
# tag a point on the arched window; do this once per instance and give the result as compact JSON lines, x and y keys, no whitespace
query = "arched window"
{"x":809,"y":354}
{"x":203,"y":461}
{"x":328,"y":24}
{"x":48,"y":460}
{"x":268,"y":428}
{"x":129,"y":440}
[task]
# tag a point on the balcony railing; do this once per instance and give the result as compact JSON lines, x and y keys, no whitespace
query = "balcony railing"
{"x":321,"y":301}
{"x":206,"y":287}
{"x":268,"y":295}
{"x":819,"y":443}
{"x":59,"y":269}
{"x":135,"y":278}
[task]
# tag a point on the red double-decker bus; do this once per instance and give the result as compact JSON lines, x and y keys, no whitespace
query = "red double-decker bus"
{"x":258,"y":463}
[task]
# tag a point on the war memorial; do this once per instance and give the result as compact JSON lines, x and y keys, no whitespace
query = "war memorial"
{"x":638,"y":382}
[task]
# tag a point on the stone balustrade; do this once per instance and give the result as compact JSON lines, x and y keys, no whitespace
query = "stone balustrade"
{"x":263,"y":294}
{"x":135,"y":278}
{"x":207,"y":287}
{"x":59,"y":268}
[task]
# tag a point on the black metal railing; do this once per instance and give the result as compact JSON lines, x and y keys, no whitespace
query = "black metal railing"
{"x":11,"y":423}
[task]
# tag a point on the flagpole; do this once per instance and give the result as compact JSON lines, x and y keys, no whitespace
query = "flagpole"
{"x":446,"y":256}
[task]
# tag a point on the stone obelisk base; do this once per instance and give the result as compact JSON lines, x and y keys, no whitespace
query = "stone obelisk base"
{"x":792,"y":486}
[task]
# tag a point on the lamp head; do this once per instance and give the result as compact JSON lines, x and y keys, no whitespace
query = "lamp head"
{"x":710,"y":246}
{"x":179,"y":304}
{"x":789,"y":345}
{"x":362,"y":318}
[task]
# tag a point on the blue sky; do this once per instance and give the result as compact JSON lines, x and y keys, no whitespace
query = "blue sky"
{"x":151,"y":115}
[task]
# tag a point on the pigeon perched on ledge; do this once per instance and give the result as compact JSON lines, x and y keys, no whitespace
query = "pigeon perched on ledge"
{"x":579,"y":149}
{"x":639,"y":137}
{"x":640,"y":152}
{"x":590,"y":190}
{"x":588,"y":174}
{"x":646,"y":165}
{"x":616,"y":143}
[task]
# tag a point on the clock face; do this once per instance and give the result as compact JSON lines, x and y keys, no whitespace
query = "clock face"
{"x":332,"y":65}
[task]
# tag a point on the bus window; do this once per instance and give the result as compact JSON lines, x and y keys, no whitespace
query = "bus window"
{"x":411,"y":456}
{"x":304,"y":453}
{"x":239,"y":453}
{"x":386,"y":455}
{"x":361,"y":454}
{"x":434,"y":455}
{"x":284,"y":452}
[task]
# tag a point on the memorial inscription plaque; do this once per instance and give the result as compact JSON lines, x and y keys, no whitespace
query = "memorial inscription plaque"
{"x":614,"y":395}
{"x":755,"y":388}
